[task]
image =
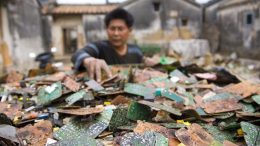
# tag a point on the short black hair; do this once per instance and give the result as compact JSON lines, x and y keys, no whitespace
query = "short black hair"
{"x":122,"y":14}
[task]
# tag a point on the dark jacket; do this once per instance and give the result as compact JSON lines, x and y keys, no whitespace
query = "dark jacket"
{"x":104,"y":50}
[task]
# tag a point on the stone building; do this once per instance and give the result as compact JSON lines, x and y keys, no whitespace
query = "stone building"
{"x":234,"y":26}
{"x":72,"y":26}
{"x":21,"y":30}
{"x":165,"y":20}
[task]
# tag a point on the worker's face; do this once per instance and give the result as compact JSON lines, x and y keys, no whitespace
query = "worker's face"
{"x":118,"y":32}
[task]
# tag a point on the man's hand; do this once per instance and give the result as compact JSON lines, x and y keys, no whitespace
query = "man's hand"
{"x":151,"y":61}
{"x":95,"y":66}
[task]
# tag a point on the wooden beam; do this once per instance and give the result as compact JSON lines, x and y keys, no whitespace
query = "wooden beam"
{"x":1,"y":21}
{"x":4,"y":51}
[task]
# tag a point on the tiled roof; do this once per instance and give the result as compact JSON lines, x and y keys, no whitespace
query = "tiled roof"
{"x":81,"y":9}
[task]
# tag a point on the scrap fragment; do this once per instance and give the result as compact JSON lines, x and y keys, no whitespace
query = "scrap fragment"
{"x":50,"y":93}
{"x":138,"y":111}
{"x":140,"y":90}
{"x":36,"y":134}
{"x":78,"y":96}
{"x":251,"y":133}
{"x":220,"y":106}
{"x":92,"y":84}
{"x":77,"y":128}
{"x":11,"y":110}
{"x":71,"y":84}
{"x":82,"y":111}
{"x":169,"y":109}
{"x":244,"y":89}
{"x":195,"y":135}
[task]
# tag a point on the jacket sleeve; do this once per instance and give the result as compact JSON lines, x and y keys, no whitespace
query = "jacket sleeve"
{"x":90,"y":50}
{"x":140,"y":56}
{"x":138,"y":53}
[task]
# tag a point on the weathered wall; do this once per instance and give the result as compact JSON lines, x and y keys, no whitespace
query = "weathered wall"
{"x":66,"y":21}
{"x":94,"y":27}
{"x":152,"y":25}
{"x":235,"y":34}
{"x":46,"y":22}
{"x":147,"y":22}
{"x":211,"y":12}
{"x":210,"y":27}
{"x":185,"y":10}
{"x":23,"y":32}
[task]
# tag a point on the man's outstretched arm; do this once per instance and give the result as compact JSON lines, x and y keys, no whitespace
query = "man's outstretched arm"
{"x":87,"y":58}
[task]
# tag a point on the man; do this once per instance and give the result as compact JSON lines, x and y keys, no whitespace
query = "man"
{"x":97,"y":56}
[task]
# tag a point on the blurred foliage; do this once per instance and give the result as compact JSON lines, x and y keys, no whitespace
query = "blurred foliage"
{"x":150,"y":49}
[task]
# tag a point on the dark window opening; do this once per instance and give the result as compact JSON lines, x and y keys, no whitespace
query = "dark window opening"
{"x":156,"y":6}
{"x":70,"y":40}
{"x":184,"y":22}
{"x":249,"y":19}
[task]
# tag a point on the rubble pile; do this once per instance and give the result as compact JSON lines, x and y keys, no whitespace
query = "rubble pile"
{"x":170,"y":104}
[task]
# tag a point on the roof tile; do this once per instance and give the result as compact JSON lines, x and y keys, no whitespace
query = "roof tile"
{"x":81,"y":9}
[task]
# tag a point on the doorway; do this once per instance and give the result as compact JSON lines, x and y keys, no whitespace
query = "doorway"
{"x":70,"y":40}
